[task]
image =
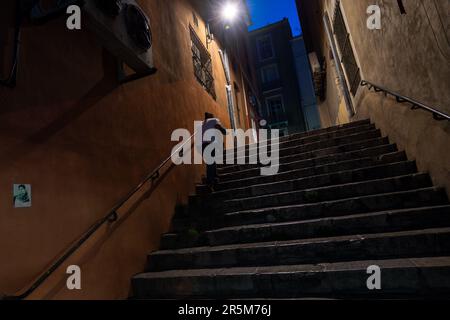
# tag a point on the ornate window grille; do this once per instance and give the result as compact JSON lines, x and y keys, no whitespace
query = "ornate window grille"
{"x":202,"y":64}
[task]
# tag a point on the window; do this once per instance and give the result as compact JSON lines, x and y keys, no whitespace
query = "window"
{"x":275,"y":109}
{"x":202,"y":64}
{"x":265,"y":48}
{"x":269,"y":74}
{"x":345,"y":47}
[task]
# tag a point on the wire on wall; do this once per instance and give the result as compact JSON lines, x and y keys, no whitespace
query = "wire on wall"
{"x":434,"y":32}
{"x":10,"y":80}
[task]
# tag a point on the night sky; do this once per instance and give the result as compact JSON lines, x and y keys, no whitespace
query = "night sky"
{"x":264,"y":12}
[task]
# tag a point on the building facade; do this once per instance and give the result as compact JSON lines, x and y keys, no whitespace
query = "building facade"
{"x":273,"y":61}
{"x":82,"y":130}
{"x":306,"y":86}
{"x":408,"y":54}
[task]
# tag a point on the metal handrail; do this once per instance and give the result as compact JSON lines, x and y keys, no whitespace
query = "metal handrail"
{"x":437,"y":115}
{"x":111,"y":217}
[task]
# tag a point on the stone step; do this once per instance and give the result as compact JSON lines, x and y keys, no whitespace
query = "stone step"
{"x":297,"y":136}
{"x":303,"y":148}
{"x":404,"y":244}
{"x":385,"y":221}
{"x":354,"y":205}
{"x":239,"y":152}
{"x":256,"y":171}
{"x":252,"y":178}
{"x":309,"y":160}
{"x":324,"y":130}
{"x":347,"y":176}
{"x":321,"y":194}
{"x":352,"y":146}
{"x":335,"y":150}
{"x":400,"y":278}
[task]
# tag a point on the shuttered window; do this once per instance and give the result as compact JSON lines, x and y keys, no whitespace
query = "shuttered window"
{"x":345,"y":47}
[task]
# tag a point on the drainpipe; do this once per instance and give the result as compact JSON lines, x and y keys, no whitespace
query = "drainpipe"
{"x":226,"y":68}
{"x":339,"y":70}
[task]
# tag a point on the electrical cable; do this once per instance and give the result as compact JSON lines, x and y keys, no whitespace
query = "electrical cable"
{"x":442,"y":22}
{"x":434,"y":33}
{"x":10,"y":80}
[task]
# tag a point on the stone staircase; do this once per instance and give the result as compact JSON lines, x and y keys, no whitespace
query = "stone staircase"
{"x":345,"y":199}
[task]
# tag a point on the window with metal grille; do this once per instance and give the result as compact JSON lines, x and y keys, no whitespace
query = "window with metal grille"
{"x":345,"y":47}
{"x":202,"y":64}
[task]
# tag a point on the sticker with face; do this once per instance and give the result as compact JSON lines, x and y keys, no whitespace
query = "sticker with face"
{"x":22,"y":195}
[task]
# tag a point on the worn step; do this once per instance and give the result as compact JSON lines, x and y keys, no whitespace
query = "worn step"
{"x":352,"y":146}
{"x":386,"y":221}
{"x":251,"y":179}
{"x":240,"y":152}
{"x":335,"y":150}
{"x":303,"y":148}
{"x":324,"y":130}
{"x":404,"y":244}
{"x":256,"y":171}
{"x":354,"y":205}
{"x":329,"y":129}
{"x":308,"y":160}
{"x":297,"y":136}
{"x":400,"y":278}
{"x":378,"y":149}
{"x":321,"y":194}
{"x":341,"y":177}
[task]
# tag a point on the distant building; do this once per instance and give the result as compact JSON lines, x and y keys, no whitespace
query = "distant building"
{"x":273,"y":60}
{"x":306,"y":86}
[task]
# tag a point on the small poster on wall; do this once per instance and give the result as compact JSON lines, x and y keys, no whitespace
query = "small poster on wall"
{"x":22,"y":195}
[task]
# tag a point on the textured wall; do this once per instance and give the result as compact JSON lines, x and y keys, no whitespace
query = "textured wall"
{"x":411,"y":53}
{"x":424,"y":139}
{"x":83,"y":142}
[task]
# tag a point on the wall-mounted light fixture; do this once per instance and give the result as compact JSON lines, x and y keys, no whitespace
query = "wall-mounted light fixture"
{"x":228,"y":13}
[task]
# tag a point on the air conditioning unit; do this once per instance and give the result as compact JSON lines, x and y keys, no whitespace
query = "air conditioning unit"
{"x":121,"y":26}
{"x":314,"y":61}
{"x":123,"y":29}
{"x":319,"y":76}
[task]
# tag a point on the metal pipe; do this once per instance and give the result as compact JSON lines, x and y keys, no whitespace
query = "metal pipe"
{"x":339,"y":70}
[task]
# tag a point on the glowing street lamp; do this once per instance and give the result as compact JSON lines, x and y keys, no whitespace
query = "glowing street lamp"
{"x":230,"y":11}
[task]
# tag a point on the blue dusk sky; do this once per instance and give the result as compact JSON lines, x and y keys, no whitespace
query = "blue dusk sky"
{"x":264,"y":12}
